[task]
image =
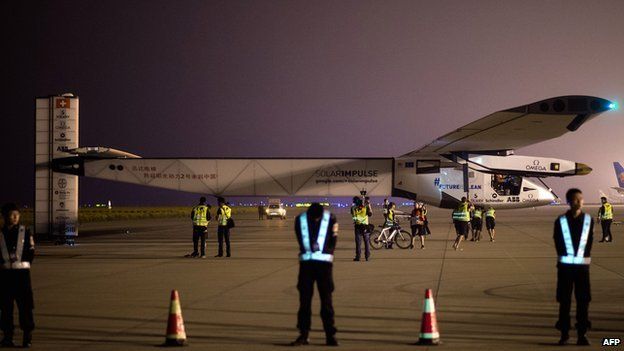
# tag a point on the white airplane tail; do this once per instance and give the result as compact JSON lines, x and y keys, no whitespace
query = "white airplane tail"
{"x":56,"y":194}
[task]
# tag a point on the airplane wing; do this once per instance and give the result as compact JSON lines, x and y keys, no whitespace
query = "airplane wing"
{"x":518,"y":127}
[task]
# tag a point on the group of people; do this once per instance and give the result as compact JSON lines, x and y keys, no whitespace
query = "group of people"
{"x":200,"y":215}
{"x":469,"y":218}
{"x":317,"y":232}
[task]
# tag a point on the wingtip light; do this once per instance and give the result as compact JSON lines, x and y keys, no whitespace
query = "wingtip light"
{"x":613,"y":105}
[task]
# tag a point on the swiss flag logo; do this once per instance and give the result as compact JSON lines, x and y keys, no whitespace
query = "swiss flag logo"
{"x":62,"y":103}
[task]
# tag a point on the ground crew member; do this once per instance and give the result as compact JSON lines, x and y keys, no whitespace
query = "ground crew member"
{"x":224,"y":215}
{"x":490,"y":222}
{"x":360,"y":214}
{"x":261,"y":212}
{"x":573,"y":235}
{"x":477,"y":223}
{"x":200,"y":215}
{"x":390,"y":221}
{"x":317,"y":233}
{"x":461,"y":218}
{"x":17,"y":250}
{"x":605,"y":216}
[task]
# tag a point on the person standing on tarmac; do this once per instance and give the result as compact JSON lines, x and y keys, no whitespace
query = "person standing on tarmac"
{"x":390,"y":221}
{"x":417,"y":222}
{"x":573,"y":236}
{"x":490,"y":222}
{"x":605,"y":216}
{"x":360,"y":215}
{"x":317,"y":234}
{"x":261,"y":212}
{"x":200,"y":215}
{"x":477,"y":223}
{"x":17,"y":250}
{"x":224,"y":218}
{"x":461,"y":218}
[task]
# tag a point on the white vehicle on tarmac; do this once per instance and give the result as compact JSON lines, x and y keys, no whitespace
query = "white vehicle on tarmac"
{"x":276,"y":209}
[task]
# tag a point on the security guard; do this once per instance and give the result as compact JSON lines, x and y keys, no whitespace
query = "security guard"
{"x":17,"y":250}
{"x":605,"y":216}
{"x":490,"y":222}
{"x":477,"y":223}
{"x":224,"y":214}
{"x":317,"y":233}
{"x":200,"y":215}
{"x":360,"y":214}
{"x":573,"y":235}
{"x":461,"y":218}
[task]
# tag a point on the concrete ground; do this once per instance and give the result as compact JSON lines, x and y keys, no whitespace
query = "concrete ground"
{"x":111,"y":292}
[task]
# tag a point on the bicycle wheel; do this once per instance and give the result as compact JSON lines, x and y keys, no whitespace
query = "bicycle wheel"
{"x":403,"y":239}
{"x":377,"y":240}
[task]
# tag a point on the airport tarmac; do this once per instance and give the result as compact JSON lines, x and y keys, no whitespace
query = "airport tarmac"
{"x":111,"y":291}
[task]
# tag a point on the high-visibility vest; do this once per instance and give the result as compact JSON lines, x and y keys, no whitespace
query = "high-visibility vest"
{"x":224,"y":215}
{"x":490,"y":213}
{"x":608,"y":211}
{"x":317,"y":254}
{"x":571,"y":258}
{"x":200,"y":215}
{"x":390,"y":218}
{"x":478,"y":214}
{"x":359,"y":215}
{"x":16,"y":262}
{"x":461,"y":213}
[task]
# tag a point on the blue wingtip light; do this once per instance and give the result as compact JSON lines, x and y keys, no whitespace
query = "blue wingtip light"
{"x":613,"y":106}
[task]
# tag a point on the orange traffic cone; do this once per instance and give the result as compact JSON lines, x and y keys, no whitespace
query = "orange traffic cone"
{"x":429,"y":334}
{"x":176,"y":336}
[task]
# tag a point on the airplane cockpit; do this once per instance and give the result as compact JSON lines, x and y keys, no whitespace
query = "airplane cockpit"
{"x":506,"y":185}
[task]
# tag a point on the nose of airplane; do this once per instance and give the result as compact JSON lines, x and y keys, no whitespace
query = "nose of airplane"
{"x":582,"y":169}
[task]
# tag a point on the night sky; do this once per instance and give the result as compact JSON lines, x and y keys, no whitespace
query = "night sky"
{"x":303,"y":78}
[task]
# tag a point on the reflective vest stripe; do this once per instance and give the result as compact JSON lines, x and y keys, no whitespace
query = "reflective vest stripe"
{"x":310,"y":255}
{"x":4,"y":250}
{"x":567,"y":239}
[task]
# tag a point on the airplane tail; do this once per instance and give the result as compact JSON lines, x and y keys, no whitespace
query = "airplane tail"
{"x":56,"y":194}
{"x":619,"y":173}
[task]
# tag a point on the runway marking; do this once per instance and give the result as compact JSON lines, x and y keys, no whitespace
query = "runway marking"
{"x":442,"y":265}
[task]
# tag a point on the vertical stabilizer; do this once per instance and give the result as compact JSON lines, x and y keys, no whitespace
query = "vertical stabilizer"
{"x":619,"y":173}
{"x":56,"y":194}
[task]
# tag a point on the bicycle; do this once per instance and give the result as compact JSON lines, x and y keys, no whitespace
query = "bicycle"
{"x":402,"y":238}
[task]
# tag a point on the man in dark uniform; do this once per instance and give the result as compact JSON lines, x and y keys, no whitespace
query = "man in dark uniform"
{"x":573,"y":235}
{"x":317,"y":233}
{"x":200,"y":215}
{"x":17,"y":250}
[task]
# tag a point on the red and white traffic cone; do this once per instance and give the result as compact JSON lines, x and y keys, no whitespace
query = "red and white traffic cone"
{"x":176,"y":336}
{"x":429,"y":334}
